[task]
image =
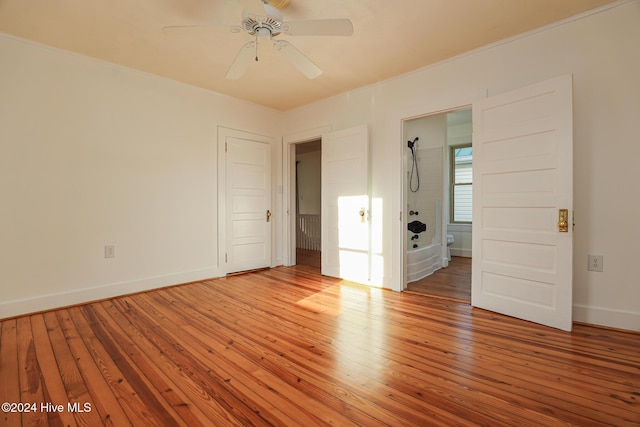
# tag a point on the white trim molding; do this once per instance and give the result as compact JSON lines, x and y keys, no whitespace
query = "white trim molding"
{"x":40,"y":303}
{"x":619,"y":319}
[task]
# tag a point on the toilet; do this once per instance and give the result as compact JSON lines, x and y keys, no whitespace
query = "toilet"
{"x":450,"y":241}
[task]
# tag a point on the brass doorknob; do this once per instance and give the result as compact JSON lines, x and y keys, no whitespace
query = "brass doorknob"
{"x":563,"y":223}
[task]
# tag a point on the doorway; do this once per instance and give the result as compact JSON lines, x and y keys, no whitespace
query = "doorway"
{"x":308,"y":198}
{"x":345,"y":201}
{"x":437,"y":167}
{"x":522,"y":203}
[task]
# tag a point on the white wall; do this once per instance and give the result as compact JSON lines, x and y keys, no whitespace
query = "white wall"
{"x":601,"y":51}
{"x":94,"y":154}
{"x":309,"y":178}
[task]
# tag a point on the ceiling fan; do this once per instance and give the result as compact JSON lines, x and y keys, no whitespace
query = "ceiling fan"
{"x":265,"y":22}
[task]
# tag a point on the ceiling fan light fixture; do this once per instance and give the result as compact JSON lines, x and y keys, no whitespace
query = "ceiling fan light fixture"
{"x":263,"y":32}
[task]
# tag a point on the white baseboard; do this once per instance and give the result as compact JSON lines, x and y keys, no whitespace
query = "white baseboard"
{"x":80,"y":296}
{"x":384,"y":282}
{"x":592,"y":315}
{"x":618,"y":319}
{"x":461,"y":252}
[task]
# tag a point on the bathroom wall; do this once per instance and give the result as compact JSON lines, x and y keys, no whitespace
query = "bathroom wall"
{"x":455,"y":128}
{"x":431,"y":131}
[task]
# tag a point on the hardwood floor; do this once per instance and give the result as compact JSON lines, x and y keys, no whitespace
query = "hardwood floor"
{"x":289,"y":347}
{"x":453,"y":282}
{"x":308,"y":258}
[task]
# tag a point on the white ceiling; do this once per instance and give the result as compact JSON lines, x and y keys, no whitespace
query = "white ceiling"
{"x":390,"y":38}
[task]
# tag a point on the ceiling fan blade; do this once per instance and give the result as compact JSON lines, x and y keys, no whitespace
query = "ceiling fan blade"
{"x":298,"y":59}
{"x":204,"y":28}
{"x":240,"y":64}
{"x":253,"y":7}
{"x":318,"y":27}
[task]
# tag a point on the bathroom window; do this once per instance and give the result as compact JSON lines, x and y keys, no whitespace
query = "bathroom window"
{"x":461,"y":183}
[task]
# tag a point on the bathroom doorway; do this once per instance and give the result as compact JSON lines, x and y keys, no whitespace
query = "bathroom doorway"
{"x":437,"y":191}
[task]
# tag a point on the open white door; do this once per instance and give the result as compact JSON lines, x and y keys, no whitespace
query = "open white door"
{"x":522,"y":177}
{"x":248,"y":204}
{"x":345,"y":204}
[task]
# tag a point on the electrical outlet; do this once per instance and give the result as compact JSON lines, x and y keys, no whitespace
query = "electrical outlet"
{"x":595,"y":262}
{"x":109,"y":251}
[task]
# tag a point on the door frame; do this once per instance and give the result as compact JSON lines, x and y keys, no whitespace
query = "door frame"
{"x":223,"y":133}
{"x":289,"y":142}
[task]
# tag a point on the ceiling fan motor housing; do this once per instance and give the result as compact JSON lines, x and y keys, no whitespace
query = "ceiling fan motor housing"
{"x":259,"y":25}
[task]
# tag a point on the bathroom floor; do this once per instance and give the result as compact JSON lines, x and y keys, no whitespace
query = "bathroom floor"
{"x":453,"y":282}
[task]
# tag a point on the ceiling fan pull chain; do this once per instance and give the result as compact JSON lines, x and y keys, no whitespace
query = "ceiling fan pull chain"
{"x":256,"y":48}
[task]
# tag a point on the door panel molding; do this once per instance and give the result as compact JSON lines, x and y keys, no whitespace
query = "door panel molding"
{"x":522,"y":176}
{"x":238,"y":246}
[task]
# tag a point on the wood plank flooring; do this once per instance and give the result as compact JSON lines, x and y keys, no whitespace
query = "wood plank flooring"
{"x":453,"y":282}
{"x":288,"y":347}
{"x":309,"y":258}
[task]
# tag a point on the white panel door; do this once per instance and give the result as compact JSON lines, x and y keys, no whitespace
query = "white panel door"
{"x":345,"y":204}
{"x":248,"y":204}
{"x":522,"y":176}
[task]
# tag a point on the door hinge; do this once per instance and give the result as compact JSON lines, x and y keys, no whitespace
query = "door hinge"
{"x":226,"y":258}
{"x":226,"y":147}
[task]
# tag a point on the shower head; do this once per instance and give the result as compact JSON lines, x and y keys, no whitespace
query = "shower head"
{"x":411,"y":144}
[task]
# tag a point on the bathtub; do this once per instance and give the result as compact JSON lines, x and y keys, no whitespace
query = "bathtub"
{"x":423,"y":261}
